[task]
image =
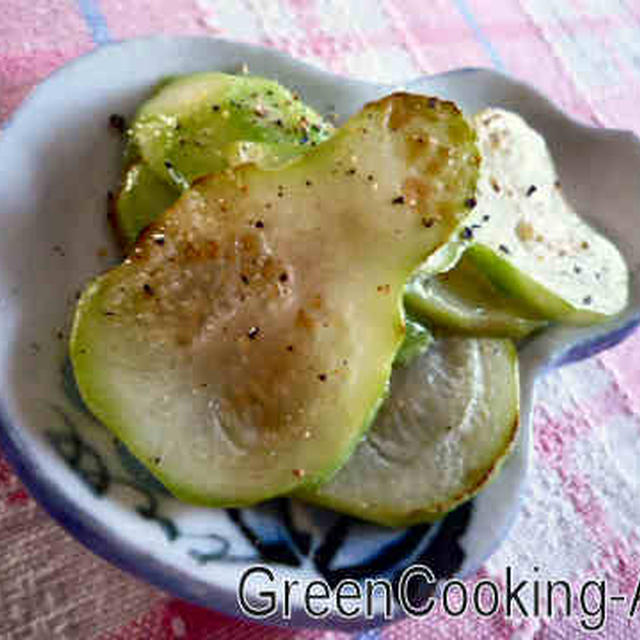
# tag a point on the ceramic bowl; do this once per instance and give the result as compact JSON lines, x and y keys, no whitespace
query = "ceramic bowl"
{"x":58,"y":159}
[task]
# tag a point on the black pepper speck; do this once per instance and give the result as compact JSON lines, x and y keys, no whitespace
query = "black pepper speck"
{"x":117,"y":122}
{"x":253,"y":333}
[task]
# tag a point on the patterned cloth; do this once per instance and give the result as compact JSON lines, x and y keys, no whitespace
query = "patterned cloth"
{"x":580,"y":516}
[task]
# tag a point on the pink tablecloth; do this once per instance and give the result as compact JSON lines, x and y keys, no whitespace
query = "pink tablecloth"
{"x":581,"y":513}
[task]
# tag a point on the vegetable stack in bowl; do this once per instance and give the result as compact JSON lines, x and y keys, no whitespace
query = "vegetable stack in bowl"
{"x":329,"y":313}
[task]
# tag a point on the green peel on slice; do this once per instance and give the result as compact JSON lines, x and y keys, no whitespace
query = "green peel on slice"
{"x":448,"y":424}
{"x":530,"y":242}
{"x":464,"y":300}
{"x":244,"y":346}
{"x":143,"y":196}
{"x":417,"y":340}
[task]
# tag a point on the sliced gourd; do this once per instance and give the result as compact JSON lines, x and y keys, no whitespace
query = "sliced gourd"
{"x":442,"y":434}
{"x":141,"y":199}
{"x":464,"y":300}
{"x":201,"y":124}
{"x":530,"y":242}
{"x":184,"y":130}
{"x":244,"y":346}
{"x":417,"y":340}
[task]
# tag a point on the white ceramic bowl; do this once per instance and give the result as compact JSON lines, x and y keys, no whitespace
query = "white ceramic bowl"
{"x":58,"y":158}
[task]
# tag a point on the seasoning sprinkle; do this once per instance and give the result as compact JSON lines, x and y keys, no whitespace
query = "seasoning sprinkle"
{"x":428,"y":222}
{"x":117,"y":122}
{"x":253,"y":333}
{"x":504,"y":248}
{"x":259,"y":224}
{"x":531,"y":190}
{"x":398,"y":200}
{"x":322,"y":377}
{"x":467,"y":233}
{"x":148,"y":289}
{"x":470,"y":203}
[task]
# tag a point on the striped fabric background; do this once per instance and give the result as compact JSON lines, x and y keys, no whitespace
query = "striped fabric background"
{"x":581,"y":514}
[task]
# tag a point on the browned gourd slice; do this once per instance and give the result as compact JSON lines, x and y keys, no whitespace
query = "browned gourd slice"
{"x":243,"y":348}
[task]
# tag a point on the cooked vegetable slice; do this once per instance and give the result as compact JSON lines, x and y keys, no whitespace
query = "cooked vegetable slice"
{"x":243,"y":347}
{"x":531,"y":243}
{"x":465,"y":300}
{"x":183,"y":131}
{"x":200,"y":124}
{"x":141,"y":199}
{"x":441,"y":435}
{"x":417,"y":340}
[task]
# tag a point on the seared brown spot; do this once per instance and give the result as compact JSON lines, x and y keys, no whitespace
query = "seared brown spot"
{"x":192,"y":252}
{"x":416,"y":190}
{"x":400,"y":114}
{"x":304,"y":320}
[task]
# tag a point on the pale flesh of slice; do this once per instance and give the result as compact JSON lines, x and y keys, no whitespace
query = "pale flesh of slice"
{"x":449,"y":421}
{"x":530,"y":242}
{"x":244,"y":346}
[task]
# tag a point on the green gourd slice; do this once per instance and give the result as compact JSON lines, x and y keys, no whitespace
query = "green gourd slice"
{"x":203,"y":123}
{"x":183,"y":131}
{"x":530,"y":241}
{"x":243,"y":347}
{"x":442,"y":434}
{"x":464,"y":300}
{"x":143,"y":196}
